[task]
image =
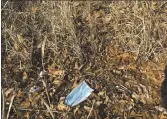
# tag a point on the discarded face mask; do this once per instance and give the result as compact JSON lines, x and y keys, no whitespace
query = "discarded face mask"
{"x":78,"y":94}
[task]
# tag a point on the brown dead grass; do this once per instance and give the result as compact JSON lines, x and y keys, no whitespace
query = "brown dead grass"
{"x":120,"y":49}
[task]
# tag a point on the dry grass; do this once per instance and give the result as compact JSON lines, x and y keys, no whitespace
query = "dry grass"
{"x":120,"y":49}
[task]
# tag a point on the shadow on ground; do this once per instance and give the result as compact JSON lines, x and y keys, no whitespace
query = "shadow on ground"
{"x":164,"y":90}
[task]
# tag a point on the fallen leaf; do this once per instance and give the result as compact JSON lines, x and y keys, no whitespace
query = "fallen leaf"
{"x":33,"y":10}
{"x":162,"y":116}
{"x":76,"y":3}
{"x":19,"y":43}
{"x":76,"y":65}
{"x":57,"y":82}
{"x":143,"y":99}
{"x":61,"y":106}
{"x":55,"y":72}
{"x":27,"y":115}
{"x":34,"y":98}
{"x":98,"y":14}
{"x":135,"y":97}
{"x":101,"y":93}
{"x":107,"y":18}
{"x":106,"y":99}
{"x":19,"y":94}
{"x":87,"y":108}
{"x":47,"y":115}
{"x":75,"y":84}
{"x":10,"y":90}
{"x":76,"y":109}
{"x":41,"y":117}
{"x":25,"y":104}
{"x":25,"y":76}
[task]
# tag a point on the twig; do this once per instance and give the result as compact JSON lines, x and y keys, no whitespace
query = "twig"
{"x":4,"y":5}
{"x":48,"y":108}
{"x":3,"y":105}
{"x":11,"y":102}
{"x":43,"y":51}
{"x":37,"y":110}
{"x":46,"y":90}
{"x":91,"y":110}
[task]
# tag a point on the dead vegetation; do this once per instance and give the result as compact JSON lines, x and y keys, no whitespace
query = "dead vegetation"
{"x":119,"y":48}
